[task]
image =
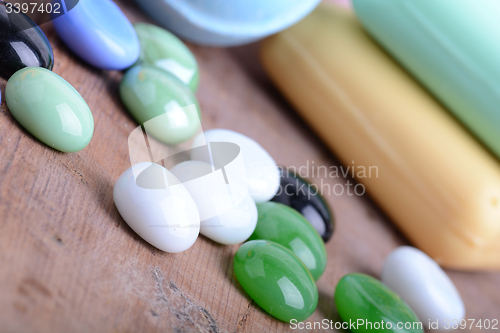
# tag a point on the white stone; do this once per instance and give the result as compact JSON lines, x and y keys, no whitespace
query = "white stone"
{"x":223,"y":219}
{"x":157,"y":207}
{"x":424,"y":286}
{"x":263,"y":178}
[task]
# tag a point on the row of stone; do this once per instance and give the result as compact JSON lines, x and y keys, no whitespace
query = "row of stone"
{"x":222,"y":193}
{"x":54,"y":112}
{"x":415,"y":293}
{"x":168,"y":208}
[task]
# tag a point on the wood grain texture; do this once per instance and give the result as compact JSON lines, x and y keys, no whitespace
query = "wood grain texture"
{"x":69,"y":263}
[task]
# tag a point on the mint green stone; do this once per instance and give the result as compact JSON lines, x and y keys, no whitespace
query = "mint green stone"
{"x":284,"y":225}
{"x":164,"y":50}
{"x":149,"y":92}
{"x":452,"y":48}
{"x":276,"y":280}
{"x":361,"y":297}
{"x":50,"y":109}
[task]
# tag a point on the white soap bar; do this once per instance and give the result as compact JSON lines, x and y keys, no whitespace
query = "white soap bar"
{"x":225,"y":219}
{"x":424,"y":286}
{"x":262,"y":173}
{"x":157,"y":207}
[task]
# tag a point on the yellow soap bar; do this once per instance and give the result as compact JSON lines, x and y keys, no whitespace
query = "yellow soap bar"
{"x":438,"y":185}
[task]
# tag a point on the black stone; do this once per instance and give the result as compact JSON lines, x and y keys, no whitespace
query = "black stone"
{"x":297,"y":193}
{"x":22,"y":44}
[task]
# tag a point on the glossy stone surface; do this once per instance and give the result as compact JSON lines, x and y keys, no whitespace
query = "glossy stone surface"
{"x":297,"y":193}
{"x":150,"y":92}
{"x":359,"y":296}
{"x":421,"y":283}
{"x":99,"y":33}
{"x":226,"y":23}
{"x":227,"y":222}
{"x":50,"y":109}
{"x":163,"y":49}
{"x":451,"y":48}
{"x":157,"y":207}
{"x":276,"y":280}
{"x":21,"y":46}
{"x":261,"y":170}
{"x":284,"y":225}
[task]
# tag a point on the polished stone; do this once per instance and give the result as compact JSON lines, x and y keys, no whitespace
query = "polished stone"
{"x":22,"y":44}
{"x":261,"y":171}
{"x":276,"y":280}
{"x":297,"y":193}
{"x":421,"y":283}
{"x":157,"y":207}
{"x":151,"y":93}
{"x":50,"y":109}
{"x":362,"y":297}
{"x":163,"y":49}
{"x":284,"y":225}
{"x":99,"y":33}
{"x":224,"y":218}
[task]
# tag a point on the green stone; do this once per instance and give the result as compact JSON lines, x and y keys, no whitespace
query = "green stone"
{"x":276,"y":280}
{"x":284,"y":225}
{"x":162,"y":49}
{"x":361,"y":297}
{"x":50,"y":109}
{"x":149,"y":92}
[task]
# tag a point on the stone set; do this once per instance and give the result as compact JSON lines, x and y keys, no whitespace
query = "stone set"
{"x":224,"y":196}
{"x":414,"y":294}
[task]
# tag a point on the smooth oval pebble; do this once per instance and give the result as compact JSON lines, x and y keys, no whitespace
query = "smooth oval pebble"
{"x":50,"y":109}
{"x":21,"y":46}
{"x":226,"y":23}
{"x":284,"y":225}
{"x":149,"y":92}
{"x":157,"y":207}
{"x":299,"y":194}
{"x":261,"y":170}
{"x":276,"y":280}
{"x":421,"y":283}
{"x":361,"y":297}
{"x":99,"y":33}
{"x":163,"y":49}
{"x":232,"y":226}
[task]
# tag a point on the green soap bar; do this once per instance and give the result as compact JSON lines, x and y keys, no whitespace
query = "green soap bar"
{"x":149,"y":92}
{"x":368,"y":302}
{"x":452,"y":47}
{"x":50,"y":108}
{"x":284,"y":225}
{"x":276,"y":280}
{"x":163,"y":49}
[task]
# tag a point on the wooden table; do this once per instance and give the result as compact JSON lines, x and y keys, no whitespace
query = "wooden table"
{"x":69,"y":263}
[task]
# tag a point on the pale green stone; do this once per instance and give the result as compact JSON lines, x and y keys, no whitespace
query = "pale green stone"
{"x":50,"y":109}
{"x":163,"y":49}
{"x":149,"y":92}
